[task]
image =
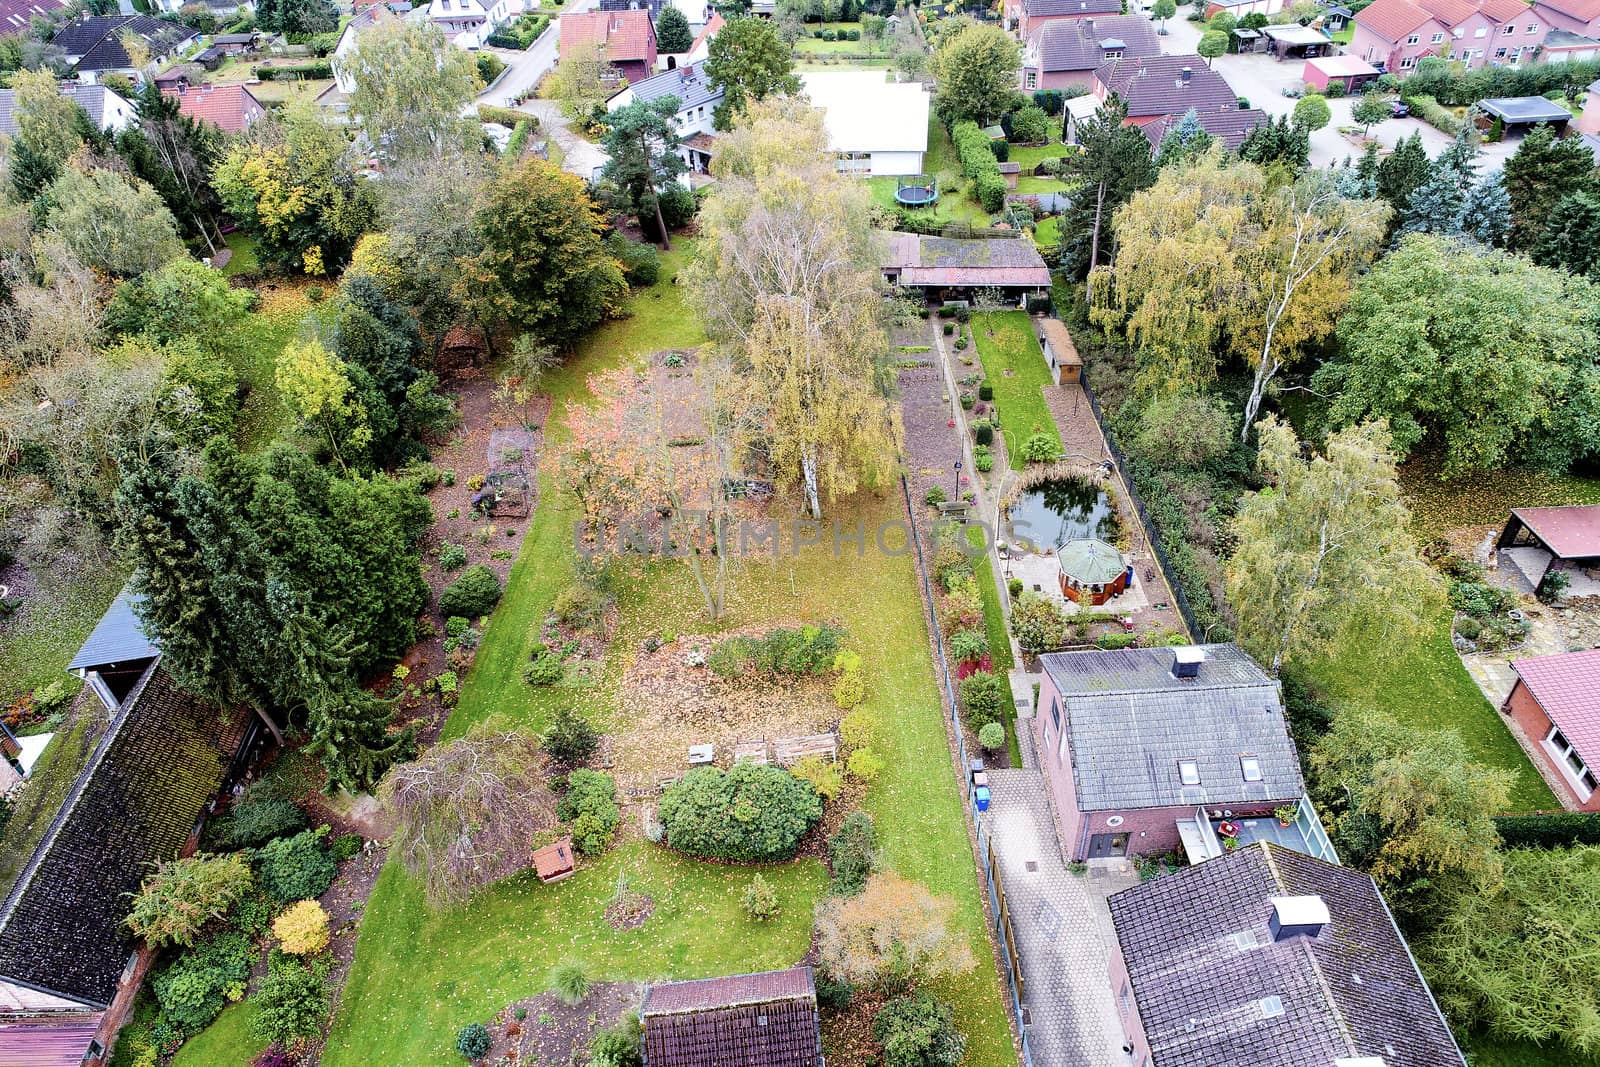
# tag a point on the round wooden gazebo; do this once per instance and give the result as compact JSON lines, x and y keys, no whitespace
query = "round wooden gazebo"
{"x":1089,"y":565}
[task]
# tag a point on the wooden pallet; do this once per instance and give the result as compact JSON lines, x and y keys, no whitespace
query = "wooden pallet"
{"x":751,"y":752}
{"x":791,"y":750}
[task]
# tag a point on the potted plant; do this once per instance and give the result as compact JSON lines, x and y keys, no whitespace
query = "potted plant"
{"x":1287,"y":814}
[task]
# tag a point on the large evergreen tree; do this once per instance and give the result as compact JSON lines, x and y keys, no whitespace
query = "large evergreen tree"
{"x":1403,"y":171}
{"x":1571,"y":239}
{"x":643,"y":145}
{"x":672,"y":31}
{"x":1113,"y":162}
{"x":1540,"y":174}
{"x":1277,"y":140}
{"x":1486,"y":217}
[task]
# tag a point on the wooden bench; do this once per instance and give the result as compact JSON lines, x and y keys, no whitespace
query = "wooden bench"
{"x":954,"y":508}
{"x":791,"y":750}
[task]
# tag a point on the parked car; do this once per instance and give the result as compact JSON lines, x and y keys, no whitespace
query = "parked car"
{"x":1400,"y":109}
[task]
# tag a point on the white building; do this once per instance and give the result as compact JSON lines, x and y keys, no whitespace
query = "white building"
{"x":698,"y":101}
{"x":878,"y":128}
{"x":105,"y":108}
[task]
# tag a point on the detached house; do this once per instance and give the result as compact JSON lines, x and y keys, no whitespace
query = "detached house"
{"x":107,"y":110}
{"x":698,"y":101}
{"x":93,"y":46}
{"x":1162,"y":89}
{"x":69,"y":968}
{"x":230,"y":108}
{"x":1555,"y":702}
{"x":1026,"y":16}
{"x":1270,"y":958}
{"x":17,"y":15}
{"x":1395,"y":34}
{"x":628,"y":39}
{"x":743,"y":1020}
{"x":1067,"y":52}
{"x":1580,"y":17}
{"x":1151,"y":750}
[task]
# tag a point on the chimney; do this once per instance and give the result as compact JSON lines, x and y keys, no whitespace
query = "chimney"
{"x":1297,"y":917}
{"x":1088,"y":27}
{"x":1186,"y":661}
{"x":1188,"y":73}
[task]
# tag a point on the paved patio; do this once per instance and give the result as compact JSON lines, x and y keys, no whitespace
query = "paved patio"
{"x":1062,"y":927}
{"x":1040,"y":574}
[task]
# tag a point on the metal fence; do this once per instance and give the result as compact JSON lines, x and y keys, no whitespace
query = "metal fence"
{"x":991,"y":884}
{"x":1152,"y":533}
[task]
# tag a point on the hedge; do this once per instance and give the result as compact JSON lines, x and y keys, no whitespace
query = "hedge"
{"x":1434,"y":77}
{"x":308,"y":71}
{"x":1434,"y":114}
{"x":1561,"y":829}
{"x":978,"y":162}
{"x":506,"y":116}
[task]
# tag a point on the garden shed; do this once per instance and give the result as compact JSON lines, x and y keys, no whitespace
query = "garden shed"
{"x":555,"y":861}
{"x":1090,"y":566}
{"x":1066,"y":366}
{"x":1352,"y":72}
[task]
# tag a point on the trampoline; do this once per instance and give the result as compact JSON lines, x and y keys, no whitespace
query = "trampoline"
{"x":916,"y":190}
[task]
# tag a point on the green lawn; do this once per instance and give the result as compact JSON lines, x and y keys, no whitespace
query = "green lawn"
{"x":253,"y":348}
{"x":35,"y":649}
{"x":227,"y":1042}
{"x":953,"y":205}
{"x":1047,"y":231}
{"x":1015,"y":367}
{"x":419,"y":976}
{"x":1032,"y":157}
{"x":1029,"y":184}
{"x":808,"y":44}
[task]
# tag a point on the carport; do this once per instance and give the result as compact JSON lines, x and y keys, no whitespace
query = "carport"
{"x":1525,"y":112}
{"x":1295,"y":42}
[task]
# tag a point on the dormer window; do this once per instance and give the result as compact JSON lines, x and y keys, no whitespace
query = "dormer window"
{"x":1188,"y":772}
{"x":1114,"y":53}
{"x":1250,"y":767}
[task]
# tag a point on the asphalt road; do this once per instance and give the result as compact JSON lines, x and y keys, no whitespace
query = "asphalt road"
{"x":526,"y":68}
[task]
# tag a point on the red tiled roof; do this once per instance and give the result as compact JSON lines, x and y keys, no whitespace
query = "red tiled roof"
{"x":1567,"y":687}
{"x":1568,"y":532}
{"x":1504,"y":10}
{"x":728,"y":991}
{"x":1449,"y":12}
{"x":1392,"y":20}
{"x":1583,"y":10}
{"x":715,"y":23}
{"x":47,"y":1043}
{"x":743,"y":1020}
{"x":233,"y":108}
{"x":553,"y":859}
{"x":627,"y":35}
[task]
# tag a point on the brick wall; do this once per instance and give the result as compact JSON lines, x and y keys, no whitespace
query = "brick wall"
{"x":1526,"y":713}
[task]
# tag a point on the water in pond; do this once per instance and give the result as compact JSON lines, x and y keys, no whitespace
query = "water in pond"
{"x":1061,"y":510}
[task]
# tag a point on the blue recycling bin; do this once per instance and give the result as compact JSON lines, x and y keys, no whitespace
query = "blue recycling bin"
{"x":980,"y":796}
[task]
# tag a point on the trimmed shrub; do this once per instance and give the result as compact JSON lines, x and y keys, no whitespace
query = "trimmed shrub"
{"x":1050,"y":101}
{"x":473,"y":594}
{"x":1434,"y":114}
{"x":452,"y":557}
{"x":849,"y":689}
{"x":302,"y":929}
{"x":852,"y":854}
{"x":346,"y":846}
{"x":749,"y":813}
{"x":990,"y":190}
{"x":194,"y":988}
{"x":296,"y":868}
{"x":473,"y":1042}
{"x":1037,"y":622}
{"x":864,"y":764}
{"x":807,"y":650}
{"x":992,"y":737}
{"x":1561,"y":829}
{"x":918,"y":1031}
{"x":825,"y":776}
{"x":1039,"y":449}
{"x":570,"y":739}
{"x":590,"y":806}
{"x":1030,"y":125}
{"x":984,"y":695}
{"x":985,"y":390}
{"x":759,"y":900}
{"x":983,"y":432}
{"x":969,"y":646}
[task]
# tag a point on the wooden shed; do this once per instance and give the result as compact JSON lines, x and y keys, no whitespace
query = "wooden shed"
{"x":555,"y":861}
{"x":1066,"y":366}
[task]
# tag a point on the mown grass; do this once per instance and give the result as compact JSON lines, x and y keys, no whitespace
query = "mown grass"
{"x":418,"y":976}
{"x":227,"y":1042}
{"x":1032,"y":157}
{"x":36,"y":646}
{"x":808,"y":44}
{"x":1015,"y":367}
{"x":1047,"y":232}
{"x":253,"y":348}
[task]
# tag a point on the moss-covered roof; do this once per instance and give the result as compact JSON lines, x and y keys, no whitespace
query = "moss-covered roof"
{"x":135,"y":802}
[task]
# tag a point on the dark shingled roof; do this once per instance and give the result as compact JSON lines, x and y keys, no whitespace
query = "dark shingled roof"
{"x":1353,"y":990}
{"x":17,"y":15}
{"x":146,"y":784}
{"x":1154,"y":85}
{"x":118,"y":638}
{"x":1075,"y":44}
{"x":743,"y":1020}
{"x":1129,"y":722}
{"x":1230,"y":128}
{"x":689,"y":84}
{"x":1571,"y":532}
{"x":1043,"y":9}
{"x":98,"y":40}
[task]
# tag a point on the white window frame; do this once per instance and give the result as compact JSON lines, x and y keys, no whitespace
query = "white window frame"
{"x":1510,"y":28}
{"x":1247,"y":764}
{"x":1561,"y":750}
{"x":1413,"y":39}
{"x":1033,"y":79}
{"x":1437,"y":38}
{"x":1407,"y":62}
{"x":1480,"y":31}
{"x":1499,"y":53}
{"x":1533,"y":27}
{"x":1189,"y":772}
{"x":1115,"y":53}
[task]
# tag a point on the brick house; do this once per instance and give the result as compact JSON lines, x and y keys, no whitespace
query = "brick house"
{"x":1556,"y":703}
{"x":743,"y":1020}
{"x":1026,"y":16}
{"x":628,"y":37}
{"x":1066,"y":52}
{"x":1162,"y":89}
{"x":1152,"y":750}
{"x":1395,"y":34}
{"x":1581,"y":17}
{"x":1270,"y":958}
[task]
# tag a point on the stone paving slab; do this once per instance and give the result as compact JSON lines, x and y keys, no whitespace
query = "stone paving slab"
{"x":1062,"y":927}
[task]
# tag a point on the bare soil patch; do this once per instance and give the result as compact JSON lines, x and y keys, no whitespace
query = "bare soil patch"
{"x":674,"y":703}
{"x":552,"y":1033}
